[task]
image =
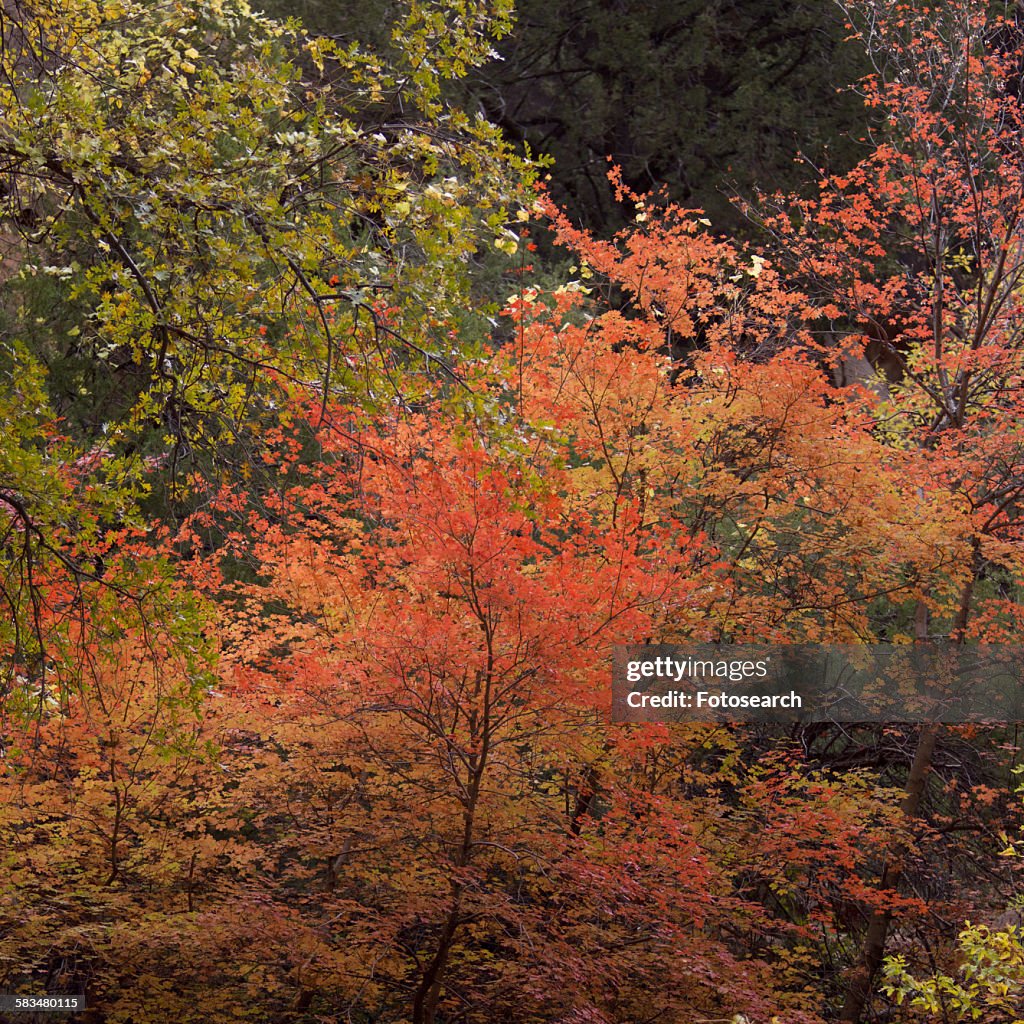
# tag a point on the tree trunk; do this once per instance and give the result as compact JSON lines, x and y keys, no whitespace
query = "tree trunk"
{"x":873,"y":948}
{"x":428,"y":992}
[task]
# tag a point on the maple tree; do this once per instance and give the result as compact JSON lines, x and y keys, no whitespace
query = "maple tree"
{"x":806,"y":505}
{"x":455,"y":638}
{"x":427,"y":632}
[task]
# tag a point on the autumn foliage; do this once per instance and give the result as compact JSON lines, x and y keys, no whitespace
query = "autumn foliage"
{"x":331,"y":742}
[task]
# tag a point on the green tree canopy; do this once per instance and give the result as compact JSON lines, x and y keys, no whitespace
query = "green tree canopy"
{"x":203,"y":209}
{"x":216,"y":201}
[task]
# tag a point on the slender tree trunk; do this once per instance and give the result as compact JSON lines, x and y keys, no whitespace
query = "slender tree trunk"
{"x":428,"y":992}
{"x":873,"y":948}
